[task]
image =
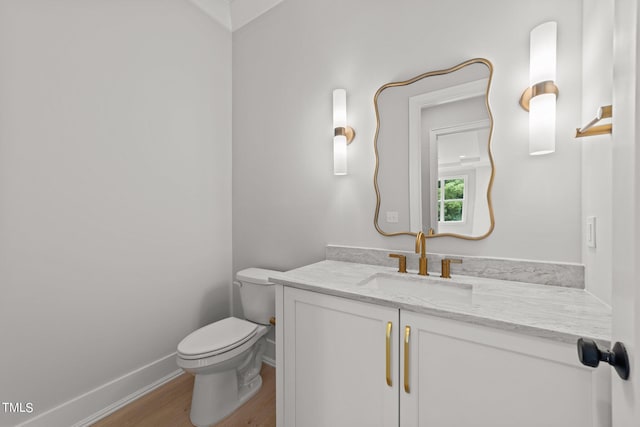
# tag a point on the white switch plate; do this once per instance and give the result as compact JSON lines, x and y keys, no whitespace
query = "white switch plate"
{"x":591,"y":231}
{"x":392,"y":217}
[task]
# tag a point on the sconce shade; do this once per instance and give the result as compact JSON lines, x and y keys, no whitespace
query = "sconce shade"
{"x":542,"y":75}
{"x":340,"y":132}
{"x":339,"y":108}
{"x":542,"y":124}
{"x":340,"y":155}
{"x":542,"y":54}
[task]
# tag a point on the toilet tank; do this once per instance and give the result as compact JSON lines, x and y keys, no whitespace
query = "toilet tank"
{"x":257,"y":294}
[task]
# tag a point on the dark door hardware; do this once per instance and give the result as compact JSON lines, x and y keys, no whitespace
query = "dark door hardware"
{"x":590,"y":354}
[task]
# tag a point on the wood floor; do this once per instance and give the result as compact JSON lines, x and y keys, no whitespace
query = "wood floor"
{"x":169,"y":405}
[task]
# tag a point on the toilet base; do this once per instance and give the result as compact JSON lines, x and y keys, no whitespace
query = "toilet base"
{"x":216,"y":395}
{"x":207,"y":410}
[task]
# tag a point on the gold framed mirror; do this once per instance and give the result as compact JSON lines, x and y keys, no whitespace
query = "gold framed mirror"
{"x":434,"y":165}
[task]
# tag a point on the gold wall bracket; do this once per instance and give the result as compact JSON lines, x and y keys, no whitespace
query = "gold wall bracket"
{"x":535,"y":90}
{"x":346,"y":131}
{"x":604,"y":112}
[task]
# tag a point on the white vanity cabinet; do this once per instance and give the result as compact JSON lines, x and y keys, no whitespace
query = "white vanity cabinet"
{"x":335,"y":362}
{"x":336,"y":367}
{"x":460,"y":374}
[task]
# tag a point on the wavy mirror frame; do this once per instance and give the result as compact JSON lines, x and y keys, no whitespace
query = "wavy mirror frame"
{"x":493,"y":168}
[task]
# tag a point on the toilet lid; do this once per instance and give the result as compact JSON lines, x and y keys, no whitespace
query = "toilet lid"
{"x":218,"y":337}
{"x":258,"y":276}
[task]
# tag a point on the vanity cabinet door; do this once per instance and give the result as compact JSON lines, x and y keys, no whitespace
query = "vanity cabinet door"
{"x":461,"y":374}
{"x":335,"y":362}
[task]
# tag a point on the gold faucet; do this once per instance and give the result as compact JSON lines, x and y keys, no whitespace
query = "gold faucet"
{"x":421,"y":246}
{"x":402,"y":262}
{"x":446,"y":267}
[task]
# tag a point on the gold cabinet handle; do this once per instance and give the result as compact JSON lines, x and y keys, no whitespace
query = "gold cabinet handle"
{"x":407,"y":332}
{"x":388,"y":342}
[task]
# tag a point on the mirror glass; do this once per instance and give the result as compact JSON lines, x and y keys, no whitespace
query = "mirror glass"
{"x":434,"y":167}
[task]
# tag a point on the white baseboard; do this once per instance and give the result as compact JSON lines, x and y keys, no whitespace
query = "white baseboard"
{"x":98,"y":403}
{"x":269,"y":361}
{"x":269,"y":356}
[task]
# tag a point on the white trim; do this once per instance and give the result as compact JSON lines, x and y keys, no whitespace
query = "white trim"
{"x":279,"y":296}
{"x":626,"y":192}
{"x":90,"y":407}
{"x":435,"y":169}
{"x":269,"y":361}
{"x":128,"y":399}
{"x":235,"y":14}
{"x":245,"y":11}
{"x":269,"y":356}
{"x":219,"y":10}
{"x":462,"y":127}
{"x":416,"y":105}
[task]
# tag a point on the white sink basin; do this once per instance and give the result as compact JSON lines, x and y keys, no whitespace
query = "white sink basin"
{"x":412,"y":285}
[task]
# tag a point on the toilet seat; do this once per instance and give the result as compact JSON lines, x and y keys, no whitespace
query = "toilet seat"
{"x":216,"y":338}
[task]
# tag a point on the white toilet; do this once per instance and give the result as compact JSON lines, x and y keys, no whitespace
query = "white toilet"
{"x":226,"y":356}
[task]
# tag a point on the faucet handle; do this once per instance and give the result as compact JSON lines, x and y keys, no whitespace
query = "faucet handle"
{"x":402,"y":262}
{"x":446,"y":267}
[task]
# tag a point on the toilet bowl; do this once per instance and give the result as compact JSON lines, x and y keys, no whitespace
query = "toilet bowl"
{"x":226,"y":356}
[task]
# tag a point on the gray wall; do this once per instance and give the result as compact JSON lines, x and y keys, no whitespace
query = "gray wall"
{"x":115,"y":189}
{"x":287,"y":205}
{"x":597,"y":158}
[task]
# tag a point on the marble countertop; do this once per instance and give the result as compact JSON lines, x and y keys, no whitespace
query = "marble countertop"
{"x":551,"y":312}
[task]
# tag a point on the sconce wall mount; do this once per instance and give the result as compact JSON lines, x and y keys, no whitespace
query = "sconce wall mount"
{"x":346,"y":131}
{"x":541,"y":88}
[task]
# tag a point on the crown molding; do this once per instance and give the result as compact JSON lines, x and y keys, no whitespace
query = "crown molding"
{"x":234,"y":14}
{"x":219,"y":10}
{"x":245,"y":11}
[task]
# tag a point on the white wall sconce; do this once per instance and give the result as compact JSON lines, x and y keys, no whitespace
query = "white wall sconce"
{"x":342,"y":134}
{"x":540,"y":98}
